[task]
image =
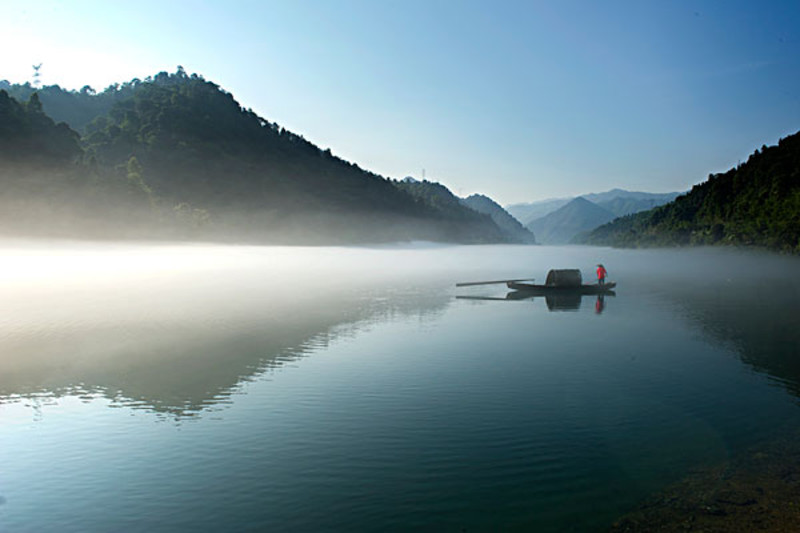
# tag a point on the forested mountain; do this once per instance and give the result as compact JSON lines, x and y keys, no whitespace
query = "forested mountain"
{"x":449,"y":207}
{"x":27,"y":135}
{"x":76,"y":108}
{"x":561,"y":226}
{"x":45,"y":186}
{"x":188,"y":160}
{"x":510,"y":225}
{"x":756,"y":203}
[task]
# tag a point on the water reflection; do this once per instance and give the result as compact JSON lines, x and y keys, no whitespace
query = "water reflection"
{"x":560,"y":301}
{"x":416,"y":411}
{"x":179,"y":342}
{"x":600,"y":304}
{"x":184,"y":366}
{"x":757,"y":319}
{"x":564,"y":300}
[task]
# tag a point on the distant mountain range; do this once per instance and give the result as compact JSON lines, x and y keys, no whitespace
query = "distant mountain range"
{"x":614,"y":194}
{"x":618,"y":201}
{"x":528,"y":212}
{"x":578,"y":216}
{"x":560,"y":220}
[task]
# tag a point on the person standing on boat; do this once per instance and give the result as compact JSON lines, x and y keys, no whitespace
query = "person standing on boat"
{"x":601,"y":274}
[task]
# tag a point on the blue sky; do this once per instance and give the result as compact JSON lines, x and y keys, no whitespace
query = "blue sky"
{"x":517,"y":100}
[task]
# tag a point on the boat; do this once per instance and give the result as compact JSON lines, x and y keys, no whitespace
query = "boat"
{"x":543,"y":290}
{"x":562,"y":281}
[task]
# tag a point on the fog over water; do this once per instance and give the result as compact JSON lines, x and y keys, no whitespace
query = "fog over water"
{"x":183,"y":387}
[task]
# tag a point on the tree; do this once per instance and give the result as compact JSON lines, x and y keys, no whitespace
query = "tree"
{"x":34,"y":104}
{"x":136,"y":181}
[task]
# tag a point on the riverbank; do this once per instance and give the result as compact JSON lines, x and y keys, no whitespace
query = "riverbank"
{"x":759,"y":491}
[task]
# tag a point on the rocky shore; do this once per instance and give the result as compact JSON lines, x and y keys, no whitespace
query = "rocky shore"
{"x":759,"y":491}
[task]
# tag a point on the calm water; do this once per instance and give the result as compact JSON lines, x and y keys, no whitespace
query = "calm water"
{"x":210,"y":388}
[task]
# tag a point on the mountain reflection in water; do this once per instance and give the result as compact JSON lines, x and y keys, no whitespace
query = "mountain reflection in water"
{"x":757,"y":318}
{"x":178,"y":341}
{"x":358,"y":389}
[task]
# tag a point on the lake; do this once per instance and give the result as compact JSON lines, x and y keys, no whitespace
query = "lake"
{"x":188,"y":387}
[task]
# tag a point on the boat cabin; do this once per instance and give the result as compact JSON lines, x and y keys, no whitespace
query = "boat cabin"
{"x":566,"y":277}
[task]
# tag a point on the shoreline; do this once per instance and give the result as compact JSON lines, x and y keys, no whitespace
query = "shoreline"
{"x":756,"y":491}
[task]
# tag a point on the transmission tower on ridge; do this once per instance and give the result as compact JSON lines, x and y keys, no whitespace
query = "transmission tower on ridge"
{"x":36,"y":76}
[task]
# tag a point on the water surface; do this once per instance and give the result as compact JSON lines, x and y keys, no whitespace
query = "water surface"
{"x":214,"y":388}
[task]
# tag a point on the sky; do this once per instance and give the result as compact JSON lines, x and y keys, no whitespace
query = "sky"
{"x":518,"y":100}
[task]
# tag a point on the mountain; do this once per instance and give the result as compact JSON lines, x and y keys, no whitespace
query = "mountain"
{"x":75,"y":108}
{"x":528,"y":212}
{"x":175,"y":156}
{"x":756,"y":204}
{"x":515,"y":231}
{"x":602,"y":197}
{"x":618,"y":201}
{"x":465,"y":220}
{"x":622,"y":205}
{"x":561,"y":226}
{"x":27,"y":135}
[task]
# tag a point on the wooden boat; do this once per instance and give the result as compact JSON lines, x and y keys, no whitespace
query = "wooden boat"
{"x":564,"y":281}
{"x":544,"y":290}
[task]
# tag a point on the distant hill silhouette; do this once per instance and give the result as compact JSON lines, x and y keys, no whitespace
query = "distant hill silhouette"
{"x":528,"y":212}
{"x":511,"y":227}
{"x":618,"y":201}
{"x":757,"y":203}
{"x":613,"y":194}
{"x":622,"y":206}
{"x":562,"y":225}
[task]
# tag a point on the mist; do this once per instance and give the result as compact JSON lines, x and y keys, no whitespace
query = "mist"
{"x":349,"y":360}
{"x":75,"y":313}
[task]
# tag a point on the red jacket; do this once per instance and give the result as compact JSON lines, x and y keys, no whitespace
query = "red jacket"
{"x":601,"y":273}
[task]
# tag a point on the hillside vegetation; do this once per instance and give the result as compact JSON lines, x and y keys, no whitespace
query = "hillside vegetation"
{"x":48,"y":188}
{"x":755,"y":204}
{"x":175,"y":156}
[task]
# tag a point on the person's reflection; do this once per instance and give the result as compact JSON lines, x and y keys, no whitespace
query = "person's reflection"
{"x":600,"y":304}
